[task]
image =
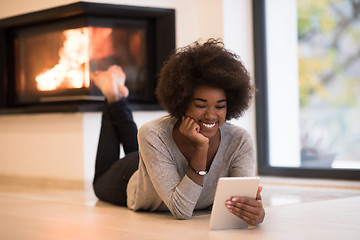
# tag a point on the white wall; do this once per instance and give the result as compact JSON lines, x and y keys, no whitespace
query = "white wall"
{"x":63,"y":146}
{"x":238,"y":37}
{"x":43,"y":145}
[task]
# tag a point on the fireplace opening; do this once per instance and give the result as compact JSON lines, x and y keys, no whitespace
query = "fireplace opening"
{"x":49,"y":57}
{"x":53,"y":63}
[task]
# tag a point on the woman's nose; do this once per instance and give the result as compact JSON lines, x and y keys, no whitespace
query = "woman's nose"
{"x":210,"y":114}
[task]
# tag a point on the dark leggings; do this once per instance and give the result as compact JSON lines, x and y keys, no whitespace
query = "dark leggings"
{"x":111,"y":173}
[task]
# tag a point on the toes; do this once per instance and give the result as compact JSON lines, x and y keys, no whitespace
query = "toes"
{"x":123,"y":90}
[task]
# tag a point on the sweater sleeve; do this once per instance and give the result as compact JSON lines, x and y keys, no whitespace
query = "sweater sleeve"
{"x":179,"y":193}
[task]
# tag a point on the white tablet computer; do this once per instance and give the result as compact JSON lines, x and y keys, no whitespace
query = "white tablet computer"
{"x":228,"y":187}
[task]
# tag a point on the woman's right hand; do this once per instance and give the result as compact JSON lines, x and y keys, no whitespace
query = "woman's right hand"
{"x":190,"y":129}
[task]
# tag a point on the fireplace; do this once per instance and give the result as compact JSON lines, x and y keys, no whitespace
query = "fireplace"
{"x":48,"y":57}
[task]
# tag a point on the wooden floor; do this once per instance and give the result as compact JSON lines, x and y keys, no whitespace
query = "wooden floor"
{"x":306,"y":210}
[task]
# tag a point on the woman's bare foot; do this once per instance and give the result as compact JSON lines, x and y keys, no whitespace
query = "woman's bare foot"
{"x":119,"y":76}
{"x":111,"y":83}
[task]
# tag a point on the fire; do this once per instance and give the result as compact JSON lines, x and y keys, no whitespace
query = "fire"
{"x":73,"y":68}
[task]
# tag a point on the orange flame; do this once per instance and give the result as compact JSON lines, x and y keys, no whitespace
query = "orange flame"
{"x":101,"y":44}
{"x":73,"y":70}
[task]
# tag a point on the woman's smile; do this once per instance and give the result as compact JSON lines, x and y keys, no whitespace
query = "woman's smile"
{"x":208,"y":125}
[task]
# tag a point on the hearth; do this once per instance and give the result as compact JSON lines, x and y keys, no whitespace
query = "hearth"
{"x":48,"y":57}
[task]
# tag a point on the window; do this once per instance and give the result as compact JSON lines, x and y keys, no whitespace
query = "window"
{"x":307,"y":70}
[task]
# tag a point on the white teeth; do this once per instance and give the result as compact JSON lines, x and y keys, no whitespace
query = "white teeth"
{"x":209,"y":125}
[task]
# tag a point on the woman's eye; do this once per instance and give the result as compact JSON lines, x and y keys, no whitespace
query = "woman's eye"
{"x":220,"y":107}
{"x":199,"y":106}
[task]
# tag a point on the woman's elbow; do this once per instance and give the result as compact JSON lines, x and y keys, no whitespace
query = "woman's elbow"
{"x":181,"y":215}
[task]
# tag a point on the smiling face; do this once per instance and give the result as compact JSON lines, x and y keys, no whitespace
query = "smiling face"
{"x":208,"y":108}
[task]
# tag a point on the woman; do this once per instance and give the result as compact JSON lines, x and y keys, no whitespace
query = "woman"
{"x":181,"y":156}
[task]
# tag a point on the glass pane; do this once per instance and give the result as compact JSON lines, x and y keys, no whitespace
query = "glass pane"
{"x":58,"y":62}
{"x":282,"y":83}
{"x":329,"y":83}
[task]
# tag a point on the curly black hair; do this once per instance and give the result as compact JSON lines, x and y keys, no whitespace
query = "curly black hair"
{"x":208,"y":64}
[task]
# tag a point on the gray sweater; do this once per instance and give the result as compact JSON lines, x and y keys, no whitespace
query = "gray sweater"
{"x":161,"y":182}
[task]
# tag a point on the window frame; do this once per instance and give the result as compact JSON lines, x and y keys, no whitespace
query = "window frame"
{"x":262,"y":117}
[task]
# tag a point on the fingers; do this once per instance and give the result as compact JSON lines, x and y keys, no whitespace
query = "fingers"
{"x":191,"y":129}
{"x":250,"y":210}
{"x":188,"y":125}
{"x":258,"y":194}
{"x":244,"y":203}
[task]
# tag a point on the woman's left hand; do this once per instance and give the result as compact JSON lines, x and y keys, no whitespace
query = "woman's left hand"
{"x":249,"y":210}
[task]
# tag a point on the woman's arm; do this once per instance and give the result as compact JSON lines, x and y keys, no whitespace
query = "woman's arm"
{"x":191,"y":130}
{"x":179,"y":193}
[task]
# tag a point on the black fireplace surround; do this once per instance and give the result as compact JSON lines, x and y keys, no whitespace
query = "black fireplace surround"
{"x":139,"y":39}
